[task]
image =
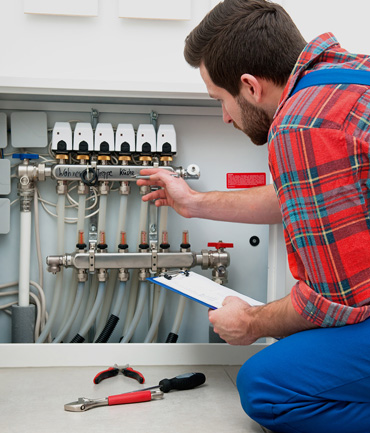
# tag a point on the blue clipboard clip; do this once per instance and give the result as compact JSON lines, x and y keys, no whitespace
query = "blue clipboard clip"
{"x":170,"y":274}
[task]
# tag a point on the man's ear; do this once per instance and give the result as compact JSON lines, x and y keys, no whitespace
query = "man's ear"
{"x":251,"y":88}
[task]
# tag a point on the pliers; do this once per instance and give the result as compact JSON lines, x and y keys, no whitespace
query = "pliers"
{"x":114,"y":371}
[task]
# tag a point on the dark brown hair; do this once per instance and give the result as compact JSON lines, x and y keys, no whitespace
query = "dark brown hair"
{"x":245,"y":36}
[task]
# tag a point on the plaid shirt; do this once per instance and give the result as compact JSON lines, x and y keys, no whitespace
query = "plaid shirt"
{"x":319,"y":160}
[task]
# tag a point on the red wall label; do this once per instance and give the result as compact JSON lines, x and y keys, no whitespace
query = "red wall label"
{"x":245,"y":180}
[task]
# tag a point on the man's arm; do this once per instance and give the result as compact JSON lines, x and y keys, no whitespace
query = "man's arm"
{"x":254,"y":206}
{"x":238,"y":323}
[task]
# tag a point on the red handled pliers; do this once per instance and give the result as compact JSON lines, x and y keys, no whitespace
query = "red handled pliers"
{"x":116,"y":370}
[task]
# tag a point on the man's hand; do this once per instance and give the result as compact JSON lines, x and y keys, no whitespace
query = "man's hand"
{"x":174,"y":191}
{"x":239,"y":323}
{"x":233,"y":322}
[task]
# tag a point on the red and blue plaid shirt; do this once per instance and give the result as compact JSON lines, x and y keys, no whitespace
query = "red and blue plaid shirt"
{"x":319,"y":160}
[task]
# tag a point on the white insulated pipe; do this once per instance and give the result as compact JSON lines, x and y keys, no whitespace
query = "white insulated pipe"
{"x":102,"y":214}
{"x":59,"y":282}
{"x":156,"y":316}
{"x":71,"y":290}
{"x":81,"y":214}
{"x":179,"y":314}
{"x":122,"y":214}
{"x":24,"y":259}
{"x":143,"y":292}
{"x":94,"y":311}
{"x":143,"y":226}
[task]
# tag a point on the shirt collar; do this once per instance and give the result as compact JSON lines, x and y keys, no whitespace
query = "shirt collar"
{"x":307,"y":57}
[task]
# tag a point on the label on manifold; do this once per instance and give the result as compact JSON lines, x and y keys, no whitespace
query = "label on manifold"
{"x":245,"y":180}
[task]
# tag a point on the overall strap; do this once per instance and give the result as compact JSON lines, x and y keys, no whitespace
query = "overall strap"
{"x":333,"y":76}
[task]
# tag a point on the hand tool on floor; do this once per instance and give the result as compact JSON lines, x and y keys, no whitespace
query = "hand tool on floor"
{"x":83,"y":404}
{"x":182,"y":382}
{"x":114,"y":371}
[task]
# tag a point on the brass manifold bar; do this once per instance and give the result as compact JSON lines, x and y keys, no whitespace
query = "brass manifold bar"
{"x":154,"y":260}
{"x":70,"y":172}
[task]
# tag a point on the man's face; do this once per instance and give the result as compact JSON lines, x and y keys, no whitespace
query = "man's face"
{"x":246,"y":117}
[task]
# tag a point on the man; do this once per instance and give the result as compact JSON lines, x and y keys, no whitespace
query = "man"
{"x":251,"y":56}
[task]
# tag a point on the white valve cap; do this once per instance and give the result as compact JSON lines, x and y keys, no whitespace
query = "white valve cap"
{"x":125,"y":138}
{"x":104,"y":137}
{"x":166,"y":139}
{"x":146,"y":138}
{"x":83,"y":137}
{"x":62,"y":137}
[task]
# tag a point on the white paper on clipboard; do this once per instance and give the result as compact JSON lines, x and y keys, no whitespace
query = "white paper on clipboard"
{"x":200,"y":289}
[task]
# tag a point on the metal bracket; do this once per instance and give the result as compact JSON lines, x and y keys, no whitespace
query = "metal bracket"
{"x":93,"y":240}
{"x":94,"y":118}
{"x":153,"y":226}
{"x":154,"y":119}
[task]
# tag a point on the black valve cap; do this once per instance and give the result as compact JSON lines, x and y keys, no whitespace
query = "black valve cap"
{"x":83,"y":146}
{"x":104,"y":147}
{"x":166,"y":148}
{"x":125,"y":147}
{"x":146,"y":147}
{"x":62,"y":146}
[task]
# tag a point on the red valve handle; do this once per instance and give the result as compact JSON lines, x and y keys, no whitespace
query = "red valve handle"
{"x":219,"y":245}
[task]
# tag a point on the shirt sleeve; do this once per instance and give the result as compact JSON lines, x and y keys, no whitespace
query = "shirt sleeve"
{"x":322,"y":180}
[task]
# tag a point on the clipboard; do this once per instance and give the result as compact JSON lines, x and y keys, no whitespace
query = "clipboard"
{"x":200,"y":289}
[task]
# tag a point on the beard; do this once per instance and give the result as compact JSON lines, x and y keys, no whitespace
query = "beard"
{"x":255,"y":122}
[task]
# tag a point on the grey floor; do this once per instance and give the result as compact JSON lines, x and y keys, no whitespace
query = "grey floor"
{"x":32,"y":400}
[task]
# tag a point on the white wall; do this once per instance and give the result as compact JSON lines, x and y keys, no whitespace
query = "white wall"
{"x":349,"y":21}
{"x":97,"y":51}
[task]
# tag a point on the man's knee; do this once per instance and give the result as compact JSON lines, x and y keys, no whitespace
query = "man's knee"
{"x":256,"y":387}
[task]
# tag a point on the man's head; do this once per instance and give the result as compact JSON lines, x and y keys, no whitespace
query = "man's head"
{"x":242,"y":39}
{"x":245,"y":36}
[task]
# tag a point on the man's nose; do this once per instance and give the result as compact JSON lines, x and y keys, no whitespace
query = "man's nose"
{"x":226,"y":116}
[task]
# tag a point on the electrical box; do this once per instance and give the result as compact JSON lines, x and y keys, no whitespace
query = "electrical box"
{"x":4,"y":177}
{"x":29,"y":129}
{"x":3,"y":131}
{"x":4,"y":215}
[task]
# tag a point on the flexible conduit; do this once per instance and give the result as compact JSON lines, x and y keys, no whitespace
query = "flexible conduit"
{"x":59,"y":281}
{"x":173,"y":335}
{"x":80,"y":336}
{"x":114,"y":317}
{"x":72,"y":315}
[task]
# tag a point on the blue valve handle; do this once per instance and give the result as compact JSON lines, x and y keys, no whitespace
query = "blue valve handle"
{"x":23,"y":156}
